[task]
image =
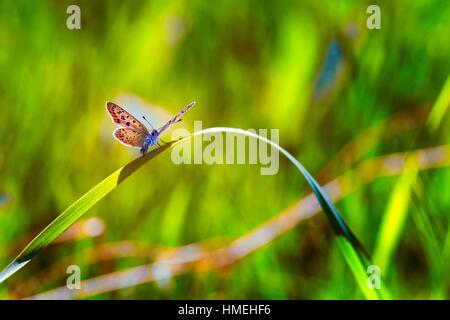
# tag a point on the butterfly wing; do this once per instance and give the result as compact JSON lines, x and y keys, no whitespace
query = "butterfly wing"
{"x":176,"y":118}
{"x":129,"y":137}
{"x":123,"y":118}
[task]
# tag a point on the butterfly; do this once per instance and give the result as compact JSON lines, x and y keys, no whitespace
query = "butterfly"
{"x":133,"y":133}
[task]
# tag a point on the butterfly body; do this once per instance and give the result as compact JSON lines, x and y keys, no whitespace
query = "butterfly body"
{"x":150,"y":140}
{"x":133,"y":133}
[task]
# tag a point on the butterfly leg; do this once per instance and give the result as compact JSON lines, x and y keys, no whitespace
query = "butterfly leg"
{"x":143,"y":151}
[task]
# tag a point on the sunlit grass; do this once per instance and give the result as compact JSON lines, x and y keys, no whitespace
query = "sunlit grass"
{"x":251,"y":66}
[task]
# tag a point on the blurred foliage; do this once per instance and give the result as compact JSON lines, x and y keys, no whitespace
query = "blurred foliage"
{"x":310,"y":68}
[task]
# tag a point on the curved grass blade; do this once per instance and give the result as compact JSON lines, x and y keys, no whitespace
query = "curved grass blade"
{"x":354,"y":252}
{"x":78,"y":208}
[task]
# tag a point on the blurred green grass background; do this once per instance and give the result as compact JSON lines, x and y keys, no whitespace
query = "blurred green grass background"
{"x":311,"y":69}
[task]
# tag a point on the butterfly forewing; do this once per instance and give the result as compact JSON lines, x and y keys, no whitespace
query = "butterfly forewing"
{"x":123,"y":118}
{"x":176,"y":117}
{"x":129,"y":137}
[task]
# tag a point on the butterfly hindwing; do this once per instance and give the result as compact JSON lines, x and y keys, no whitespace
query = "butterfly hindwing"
{"x":129,"y":137}
{"x":123,"y":118}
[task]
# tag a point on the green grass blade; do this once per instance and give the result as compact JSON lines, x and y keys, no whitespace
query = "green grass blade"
{"x":395,"y":215}
{"x":440,"y":107}
{"x":82,"y":205}
{"x":358,"y":269}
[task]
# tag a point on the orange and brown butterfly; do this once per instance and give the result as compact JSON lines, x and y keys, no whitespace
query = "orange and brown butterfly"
{"x":133,"y":133}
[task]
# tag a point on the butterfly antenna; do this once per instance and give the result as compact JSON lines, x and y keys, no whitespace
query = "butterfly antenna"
{"x":148,"y":122}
